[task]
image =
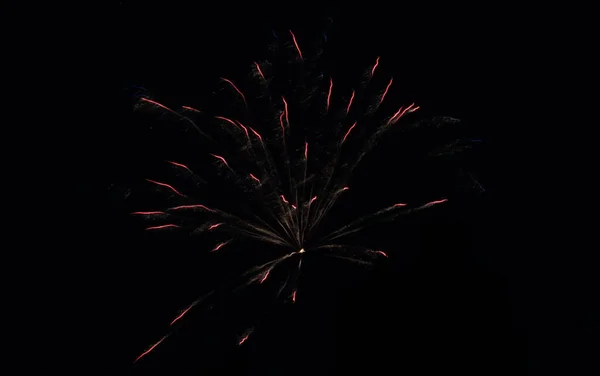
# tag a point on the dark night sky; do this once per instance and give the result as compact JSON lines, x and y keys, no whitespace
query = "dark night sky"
{"x":452,"y":299}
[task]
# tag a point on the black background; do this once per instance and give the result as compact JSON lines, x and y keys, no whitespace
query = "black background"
{"x":452,"y":298}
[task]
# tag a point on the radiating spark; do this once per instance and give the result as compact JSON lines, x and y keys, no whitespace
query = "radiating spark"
{"x":219,"y":246}
{"x":382,"y":253}
{"x":170,"y":225}
{"x":294,"y":296}
{"x":255,"y":178}
{"x":166,"y":186}
{"x":349,"y":130}
{"x":296,"y":44}
{"x":236,"y":89}
{"x":227,"y":120}
{"x":329,"y":93}
{"x":179,"y":165}
{"x":212,"y":227}
{"x":350,"y":103}
{"x":150,"y":349}
{"x":195,"y":206}
{"x":148,"y":213}
{"x":375,"y":66}
{"x":285,"y":111}
{"x":221,"y":159}
{"x":259,"y":70}
{"x":183,"y":313}
{"x":387,"y":88}
{"x":264,"y":278}
{"x":306,"y":150}
{"x":190,"y":108}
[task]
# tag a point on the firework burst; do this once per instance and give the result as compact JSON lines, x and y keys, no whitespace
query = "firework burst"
{"x":284,"y":150}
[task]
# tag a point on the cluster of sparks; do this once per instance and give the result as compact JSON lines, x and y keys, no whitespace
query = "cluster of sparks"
{"x":296,"y":200}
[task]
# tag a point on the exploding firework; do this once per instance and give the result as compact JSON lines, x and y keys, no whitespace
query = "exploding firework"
{"x":284,"y":150}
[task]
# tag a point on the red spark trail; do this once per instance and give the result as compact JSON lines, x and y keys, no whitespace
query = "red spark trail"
{"x":382,"y":253}
{"x":296,"y":44}
{"x":212,"y":227}
{"x":312,"y":200}
{"x":350,"y":103}
{"x":259,"y":70}
{"x":179,"y":165}
{"x":436,"y":202}
{"x":183,"y":313}
{"x":285,"y":108}
{"x":243,"y":339}
{"x":375,"y":66}
{"x":236,"y":89}
{"x":190,"y":108}
{"x":257,"y":135}
{"x":281,"y":123}
{"x":264,"y":278}
{"x":398,"y":115}
{"x":180,"y":207}
{"x":166,"y":186}
{"x":159,"y":105}
{"x":294,"y":296}
{"x":148,"y":213}
{"x":150,"y":349}
{"x":329,"y":93}
{"x":283,"y":199}
{"x":255,"y":178}
{"x":219,"y":246}
{"x":386,"y":91}
{"x":162,"y":226}
{"x":221,"y":159}
{"x":399,"y":205}
{"x":245,"y":129}
{"x":347,"y":133}
{"x":306,"y":150}
{"x":227,"y":120}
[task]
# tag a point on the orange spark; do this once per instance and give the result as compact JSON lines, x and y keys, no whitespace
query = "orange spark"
{"x":166,"y":186}
{"x":162,"y":226}
{"x":350,"y":103}
{"x":349,"y":130}
{"x":150,"y":349}
{"x":375,"y":66}
{"x":329,"y":93}
{"x":259,"y":70}
{"x":236,"y":89}
{"x":296,"y":44}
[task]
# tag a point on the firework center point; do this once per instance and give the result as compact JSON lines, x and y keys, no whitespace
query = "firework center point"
{"x":301,"y":250}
